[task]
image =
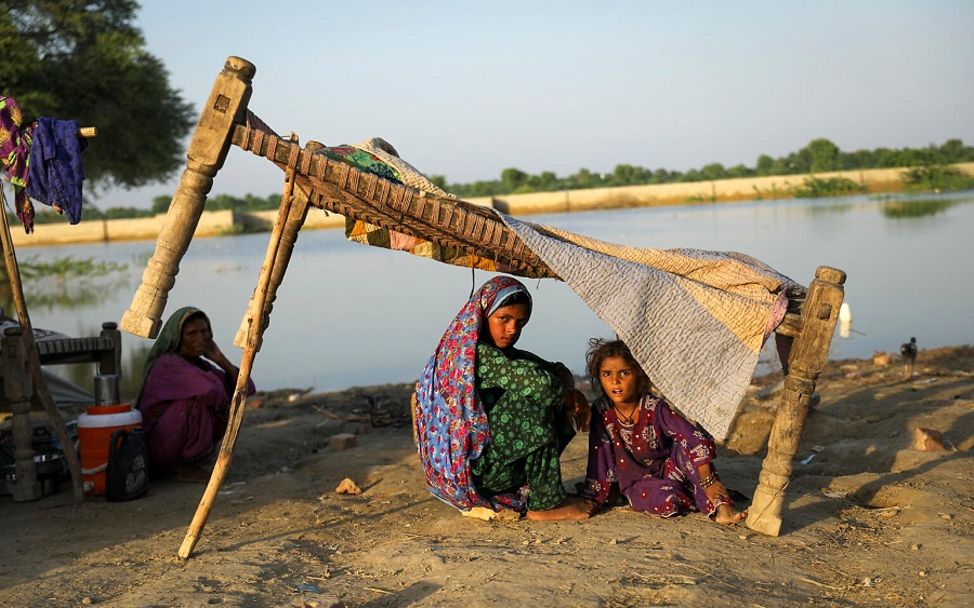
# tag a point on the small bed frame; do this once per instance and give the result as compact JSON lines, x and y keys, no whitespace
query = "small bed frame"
{"x":313,"y":180}
{"x":22,"y":383}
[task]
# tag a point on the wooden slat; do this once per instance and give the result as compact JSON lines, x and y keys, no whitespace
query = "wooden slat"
{"x":339,"y":183}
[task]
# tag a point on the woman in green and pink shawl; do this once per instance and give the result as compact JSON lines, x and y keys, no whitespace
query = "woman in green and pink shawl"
{"x":185,"y":398}
{"x":491,"y":420}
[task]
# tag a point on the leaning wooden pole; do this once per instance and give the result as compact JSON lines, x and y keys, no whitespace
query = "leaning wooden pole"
{"x":289,"y":237}
{"x":207,"y":152}
{"x":33,"y":357}
{"x":253,"y":316}
{"x":808,"y":356}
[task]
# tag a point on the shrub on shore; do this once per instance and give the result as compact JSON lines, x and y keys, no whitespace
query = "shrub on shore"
{"x":936,"y":177}
{"x":816,"y":187}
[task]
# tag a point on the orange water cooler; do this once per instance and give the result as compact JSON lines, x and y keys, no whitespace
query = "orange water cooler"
{"x":95,"y":430}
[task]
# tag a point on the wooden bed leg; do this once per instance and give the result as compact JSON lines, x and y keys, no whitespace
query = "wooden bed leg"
{"x":808,"y":356}
{"x":289,"y":236}
{"x":16,"y":389}
{"x":207,"y":151}
{"x":252,"y":318}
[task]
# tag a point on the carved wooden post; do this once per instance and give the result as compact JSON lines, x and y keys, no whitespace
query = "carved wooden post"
{"x":207,"y":151}
{"x":808,"y":355}
{"x":17,"y":390}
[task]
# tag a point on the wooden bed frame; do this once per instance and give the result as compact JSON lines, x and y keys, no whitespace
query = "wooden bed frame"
{"x":20,"y":386}
{"x":312,"y":179}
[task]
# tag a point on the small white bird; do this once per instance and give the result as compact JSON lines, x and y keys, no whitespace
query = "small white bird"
{"x":845,"y":312}
{"x":845,"y":320}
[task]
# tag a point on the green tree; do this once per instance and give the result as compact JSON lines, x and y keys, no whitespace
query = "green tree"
{"x":439,"y":181}
{"x":821,"y":155}
{"x":765,"y":165}
{"x":84,"y":60}
{"x":954,"y":151}
{"x":713,"y":171}
{"x":160,"y":204}
{"x":512,"y":178}
{"x":547,"y":181}
{"x":739,"y":171}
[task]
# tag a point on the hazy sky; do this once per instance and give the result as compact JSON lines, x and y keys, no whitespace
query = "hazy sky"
{"x":465,"y":89}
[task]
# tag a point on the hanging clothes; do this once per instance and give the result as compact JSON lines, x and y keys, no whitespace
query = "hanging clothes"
{"x":15,"y":146}
{"x":56,"y":171}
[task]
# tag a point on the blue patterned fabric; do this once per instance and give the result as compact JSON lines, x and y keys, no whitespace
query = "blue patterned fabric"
{"x":451,"y":423}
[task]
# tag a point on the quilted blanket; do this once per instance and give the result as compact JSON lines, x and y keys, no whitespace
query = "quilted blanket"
{"x":695,"y":320}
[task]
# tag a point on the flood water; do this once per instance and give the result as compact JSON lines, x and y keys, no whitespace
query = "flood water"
{"x":349,"y":315}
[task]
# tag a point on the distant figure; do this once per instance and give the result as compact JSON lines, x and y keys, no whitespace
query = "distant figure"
{"x":909,"y":352}
{"x":185,"y":399}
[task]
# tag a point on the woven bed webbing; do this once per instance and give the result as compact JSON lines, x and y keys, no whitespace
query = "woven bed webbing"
{"x":355,"y":194}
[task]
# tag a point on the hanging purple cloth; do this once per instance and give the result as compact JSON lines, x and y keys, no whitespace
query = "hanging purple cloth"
{"x":15,"y":144}
{"x":56,"y":171}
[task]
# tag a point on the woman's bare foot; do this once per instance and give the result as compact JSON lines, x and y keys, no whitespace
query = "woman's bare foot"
{"x":570,"y":509}
{"x":727,"y":515}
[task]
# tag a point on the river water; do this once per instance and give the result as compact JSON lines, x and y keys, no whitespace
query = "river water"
{"x":349,"y":315}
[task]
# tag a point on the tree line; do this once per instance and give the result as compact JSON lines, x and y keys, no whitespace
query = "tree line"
{"x":819,"y":156}
{"x":927,"y":169}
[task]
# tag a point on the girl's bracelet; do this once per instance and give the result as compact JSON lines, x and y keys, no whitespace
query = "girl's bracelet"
{"x":709,"y":480}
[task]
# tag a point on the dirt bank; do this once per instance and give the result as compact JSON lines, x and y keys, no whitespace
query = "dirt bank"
{"x":870,"y":521}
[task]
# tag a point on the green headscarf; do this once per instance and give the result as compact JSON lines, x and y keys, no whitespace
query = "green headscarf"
{"x":168,"y":339}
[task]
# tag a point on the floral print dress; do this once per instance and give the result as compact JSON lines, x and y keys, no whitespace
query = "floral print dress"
{"x":653,"y":459}
{"x":522,"y":395}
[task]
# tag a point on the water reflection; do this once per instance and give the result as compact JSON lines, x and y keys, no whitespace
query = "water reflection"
{"x":66,"y":282}
{"x":829,"y":208}
{"x":350,"y":315}
{"x":911,"y":209}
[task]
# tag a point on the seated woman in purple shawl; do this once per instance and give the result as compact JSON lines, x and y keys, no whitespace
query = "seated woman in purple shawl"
{"x":185,"y":399}
{"x":640,"y":447}
{"x":491,"y":421}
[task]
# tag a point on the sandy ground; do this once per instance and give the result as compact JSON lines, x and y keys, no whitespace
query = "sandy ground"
{"x":869,"y":521}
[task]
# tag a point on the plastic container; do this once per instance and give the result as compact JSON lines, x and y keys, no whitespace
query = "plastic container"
{"x":94,"y":434}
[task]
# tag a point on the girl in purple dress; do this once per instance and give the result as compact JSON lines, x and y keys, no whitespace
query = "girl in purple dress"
{"x":641,"y":447}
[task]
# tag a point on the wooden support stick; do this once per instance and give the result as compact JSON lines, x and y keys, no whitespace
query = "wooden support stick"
{"x":207,"y":152}
{"x":289,"y":236}
{"x":33,"y":358}
{"x":295,"y":220}
{"x":254,"y":315}
{"x":808,"y":355}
